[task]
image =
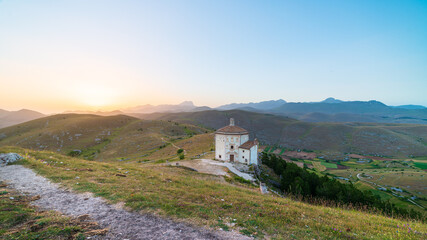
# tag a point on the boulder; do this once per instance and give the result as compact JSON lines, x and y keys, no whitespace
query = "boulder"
{"x":6,"y":158}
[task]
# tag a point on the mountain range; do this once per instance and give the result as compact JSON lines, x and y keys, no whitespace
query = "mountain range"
{"x":328,"y":110}
{"x":334,"y":110}
{"x":265,"y":105}
{"x":186,"y":106}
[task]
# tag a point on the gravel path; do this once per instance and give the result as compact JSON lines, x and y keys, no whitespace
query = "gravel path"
{"x":121,"y":223}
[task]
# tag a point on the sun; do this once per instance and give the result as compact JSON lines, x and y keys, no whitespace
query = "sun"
{"x":96,"y":96}
{"x":96,"y":102}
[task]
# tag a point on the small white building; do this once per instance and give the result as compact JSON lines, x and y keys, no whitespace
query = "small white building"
{"x":232,"y":145}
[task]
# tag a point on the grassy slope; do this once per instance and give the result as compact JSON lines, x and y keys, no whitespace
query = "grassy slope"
{"x":364,"y":138}
{"x":106,"y":138}
{"x":209,"y":200}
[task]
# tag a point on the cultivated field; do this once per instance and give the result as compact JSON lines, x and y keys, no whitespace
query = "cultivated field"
{"x":402,"y":181}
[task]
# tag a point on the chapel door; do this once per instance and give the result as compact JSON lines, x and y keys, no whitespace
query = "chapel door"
{"x":231,"y":158}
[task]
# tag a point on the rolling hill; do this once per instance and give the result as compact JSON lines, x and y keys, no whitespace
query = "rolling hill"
{"x":9,"y":118}
{"x":105,"y":137}
{"x":127,"y":137}
{"x":330,"y":138}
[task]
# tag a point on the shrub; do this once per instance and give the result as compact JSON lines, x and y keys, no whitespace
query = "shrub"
{"x":180,"y":151}
{"x":241,"y":180}
{"x":74,"y":153}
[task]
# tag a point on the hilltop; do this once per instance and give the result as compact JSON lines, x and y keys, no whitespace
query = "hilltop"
{"x":9,"y":118}
{"x":363,"y":138}
{"x":103,"y":137}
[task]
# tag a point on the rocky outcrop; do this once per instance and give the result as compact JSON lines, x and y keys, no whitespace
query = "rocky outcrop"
{"x":6,"y":158}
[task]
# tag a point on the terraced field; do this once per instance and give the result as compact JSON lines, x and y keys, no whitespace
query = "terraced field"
{"x":329,"y":165}
{"x":420,"y":164}
{"x":318,"y":166}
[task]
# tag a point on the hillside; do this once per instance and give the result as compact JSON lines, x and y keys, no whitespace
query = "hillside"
{"x":9,"y":118}
{"x":362,"y":138}
{"x":117,"y":137}
{"x":207,"y":200}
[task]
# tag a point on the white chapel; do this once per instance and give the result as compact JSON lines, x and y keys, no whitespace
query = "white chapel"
{"x":232,"y":145}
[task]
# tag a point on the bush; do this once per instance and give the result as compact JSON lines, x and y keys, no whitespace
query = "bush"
{"x":241,"y":180}
{"x":74,"y":153}
{"x":180,"y":151}
{"x":181,"y":156}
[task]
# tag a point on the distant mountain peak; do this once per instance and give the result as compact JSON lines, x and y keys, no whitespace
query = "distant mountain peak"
{"x":264,"y":105}
{"x":411,"y":106}
{"x":187,"y":103}
{"x":331,"y":100}
{"x":376,"y":102}
{"x":182,"y":107}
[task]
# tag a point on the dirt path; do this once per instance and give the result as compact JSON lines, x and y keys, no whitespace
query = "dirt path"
{"x":121,"y":223}
{"x":173,"y":145}
{"x":232,"y":169}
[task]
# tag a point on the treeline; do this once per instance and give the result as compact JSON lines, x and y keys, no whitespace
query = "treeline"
{"x":300,"y":182}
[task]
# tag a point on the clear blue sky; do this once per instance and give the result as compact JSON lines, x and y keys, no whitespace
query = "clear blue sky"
{"x":72,"y":54}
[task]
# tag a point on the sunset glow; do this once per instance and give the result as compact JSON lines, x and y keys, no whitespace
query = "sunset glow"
{"x":69,"y":55}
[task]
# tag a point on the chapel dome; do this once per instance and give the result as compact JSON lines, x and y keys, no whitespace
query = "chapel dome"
{"x":232,"y":129}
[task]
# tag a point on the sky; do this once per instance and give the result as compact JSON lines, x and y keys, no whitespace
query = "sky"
{"x":62,"y":55}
